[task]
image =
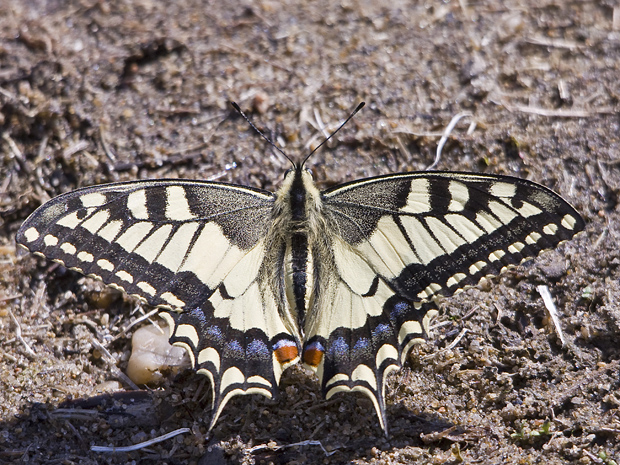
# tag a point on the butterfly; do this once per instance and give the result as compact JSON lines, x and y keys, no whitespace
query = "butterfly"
{"x":343,"y":280}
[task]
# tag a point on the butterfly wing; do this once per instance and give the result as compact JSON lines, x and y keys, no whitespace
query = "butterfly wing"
{"x":197,"y":249}
{"x":403,"y":240}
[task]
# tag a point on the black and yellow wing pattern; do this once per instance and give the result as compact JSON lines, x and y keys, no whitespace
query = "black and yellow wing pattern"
{"x":343,"y":280}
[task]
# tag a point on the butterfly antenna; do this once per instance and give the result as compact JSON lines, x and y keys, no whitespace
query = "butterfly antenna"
{"x":358,"y":108}
{"x":236,"y":107}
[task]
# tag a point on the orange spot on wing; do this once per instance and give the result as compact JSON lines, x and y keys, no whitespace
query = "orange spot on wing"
{"x":286,"y":353}
{"x":313,"y":356}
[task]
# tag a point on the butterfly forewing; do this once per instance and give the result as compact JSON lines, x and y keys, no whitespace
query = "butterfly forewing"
{"x":438,"y":233}
{"x":169,"y":242}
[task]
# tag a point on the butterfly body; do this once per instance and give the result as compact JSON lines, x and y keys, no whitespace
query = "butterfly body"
{"x":344,"y":280}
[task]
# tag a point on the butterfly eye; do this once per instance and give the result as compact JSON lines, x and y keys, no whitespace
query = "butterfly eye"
{"x":309,"y":171}
{"x":286,"y":173}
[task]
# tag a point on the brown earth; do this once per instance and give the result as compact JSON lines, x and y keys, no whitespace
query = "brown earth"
{"x":98,"y":91}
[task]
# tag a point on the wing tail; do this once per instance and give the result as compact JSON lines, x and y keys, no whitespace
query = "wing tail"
{"x":360,"y":359}
{"x":236,"y":362}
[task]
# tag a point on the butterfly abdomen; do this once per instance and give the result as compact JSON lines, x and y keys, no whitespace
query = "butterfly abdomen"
{"x":293,"y":217}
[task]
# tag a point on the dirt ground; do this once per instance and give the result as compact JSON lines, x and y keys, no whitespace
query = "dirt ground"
{"x":98,"y":91}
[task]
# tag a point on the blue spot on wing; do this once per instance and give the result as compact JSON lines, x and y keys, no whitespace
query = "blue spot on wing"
{"x":257,"y":349}
{"x":339,"y":348}
{"x":361,"y":344}
{"x":214,"y":333}
{"x":400,"y":308}
{"x":234,"y":349}
{"x":380,"y":329}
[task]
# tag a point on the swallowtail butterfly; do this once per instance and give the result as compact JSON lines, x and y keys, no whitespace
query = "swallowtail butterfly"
{"x":344,"y":280}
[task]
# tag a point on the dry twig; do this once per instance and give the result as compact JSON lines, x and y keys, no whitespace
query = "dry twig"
{"x":18,"y":335}
{"x":141,"y":445}
{"x":553,"y":311}
{"x":444,"y":138}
